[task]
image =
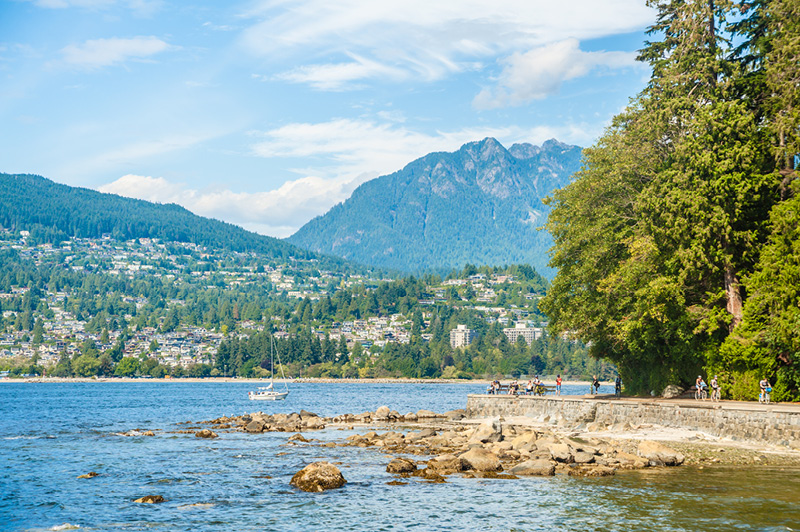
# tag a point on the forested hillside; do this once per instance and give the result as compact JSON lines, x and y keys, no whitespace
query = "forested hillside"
{"x":479,"y":205}
{"x":677,"y":245}
{"x":52,"y":212}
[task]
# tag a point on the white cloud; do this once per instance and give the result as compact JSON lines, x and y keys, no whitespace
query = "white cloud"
{"x":540,"y":72}
{"x":338,"y":76}
{"x":278,"y":212}
{"x":420,"y":39}
{"x":96,"y":53}
{"x":351,"y":151}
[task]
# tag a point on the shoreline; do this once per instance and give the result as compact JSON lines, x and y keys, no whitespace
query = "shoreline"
{"x":484,"y":382}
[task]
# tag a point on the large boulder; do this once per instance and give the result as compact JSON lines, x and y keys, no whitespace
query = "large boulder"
{"x":382,"y":413}
{"x":488,"y":431}
{"x":317,"y":477}
{"x":314,"y":423}
{"x":560,"y":452}
{"x":254,"y":427}
{"x":456,"y":415}
{"x":659,"y":453}
{"x":205,"y":433}
{"x":401,"y":465}
{"x":481,"y":460}
{"x":543,"y":468}
{"x":591,"y":471}
{"x":448,"y":462}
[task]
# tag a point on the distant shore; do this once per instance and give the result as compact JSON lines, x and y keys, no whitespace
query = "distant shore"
{"x":484,"y":382}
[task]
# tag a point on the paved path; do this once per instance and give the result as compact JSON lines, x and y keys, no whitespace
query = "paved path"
{"x":693,"y":403}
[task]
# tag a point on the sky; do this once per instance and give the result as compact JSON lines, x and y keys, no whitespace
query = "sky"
{"x":266,"y":113}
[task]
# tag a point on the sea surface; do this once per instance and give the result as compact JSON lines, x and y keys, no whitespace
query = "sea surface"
{"x":52,"y":432}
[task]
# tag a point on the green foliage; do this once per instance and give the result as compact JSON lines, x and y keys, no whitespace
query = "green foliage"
{"x":660,"y":241}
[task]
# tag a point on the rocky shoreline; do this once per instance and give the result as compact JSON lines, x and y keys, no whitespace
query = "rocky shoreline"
{"x":429,"y":447}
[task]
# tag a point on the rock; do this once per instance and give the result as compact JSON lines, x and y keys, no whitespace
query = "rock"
{"x":305,"y":413}
{"x":591,"y":471}
{"x":382,"y":413}
{"x":488,"y":431}
{"x":482,"y":460}
{"x":148,"y":433}
{"x":424,"y":433}
{"x":544,"y":468}
{"x":317,"y":477}
{"x":314,"y":423}
{"x":411,"y":416}
{"x":660,"y":453}
{"x":430,"y":475}
{"x":672,"y":391}
{"x":401,"y":465}
{"x":90,"y":474}
{"x":560,"y":452}
{"x":254,"y":427}
{"x":583,"y":458}
{"x":630,"y":461}
{"x":426,"y":414}
{"x":150,"y":499}
{"x":298,"y":437}
{"x":456,"y":415}
{"x":523,"y":440}
{"x":448,"y":462}
{"x":205,"y":433}
{"x":595,"y":427}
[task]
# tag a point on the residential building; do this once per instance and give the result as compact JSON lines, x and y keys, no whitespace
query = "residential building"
{"x":461,"y":336}
{"x":521,"y":329}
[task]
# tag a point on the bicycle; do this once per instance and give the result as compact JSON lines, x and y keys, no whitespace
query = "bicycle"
{"x":715,"y":394}
{"x":701,"y":394}
{"x":763,"y":397}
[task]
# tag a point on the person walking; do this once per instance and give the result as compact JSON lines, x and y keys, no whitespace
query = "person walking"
{"x":595,"y":384}
{"x":618,"y":386}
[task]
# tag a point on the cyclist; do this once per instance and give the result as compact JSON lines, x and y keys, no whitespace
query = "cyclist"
{"x":765,"y":390}
{"x":701,"y":386}
{"x":618,"y":386}
{"x":715,"y":393}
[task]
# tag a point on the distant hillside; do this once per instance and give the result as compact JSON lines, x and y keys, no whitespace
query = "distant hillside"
{"x":479,"y":205}
{"x":54,"y":211}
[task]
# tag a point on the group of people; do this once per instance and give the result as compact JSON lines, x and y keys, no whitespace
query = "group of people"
{"x":534,"y":386}
{"x":765,"y":388}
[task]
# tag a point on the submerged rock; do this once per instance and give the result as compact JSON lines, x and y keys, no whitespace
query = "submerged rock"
{"x":150,"y":499}
{"x":90,"y":474}
{"x":318,"y":477}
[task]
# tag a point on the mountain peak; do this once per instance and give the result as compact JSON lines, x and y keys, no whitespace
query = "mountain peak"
{"x":480,"y":205}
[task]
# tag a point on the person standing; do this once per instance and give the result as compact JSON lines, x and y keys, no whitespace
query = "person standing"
{"x":558,"y":385}
{"x":618,"y":386}
{"x":595,"y":384}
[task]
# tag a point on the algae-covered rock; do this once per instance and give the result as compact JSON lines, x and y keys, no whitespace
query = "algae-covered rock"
{"x":401,"y":465}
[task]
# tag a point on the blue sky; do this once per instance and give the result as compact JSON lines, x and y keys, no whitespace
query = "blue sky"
{"x":266,"y":113}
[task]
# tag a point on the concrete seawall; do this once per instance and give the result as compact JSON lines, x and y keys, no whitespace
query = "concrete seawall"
{"x":772,"y":424}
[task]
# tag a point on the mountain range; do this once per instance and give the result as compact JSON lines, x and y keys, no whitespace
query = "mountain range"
{"x":479,"y":205}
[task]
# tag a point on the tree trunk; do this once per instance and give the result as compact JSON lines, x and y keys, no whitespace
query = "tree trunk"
{"x":733,"y":294}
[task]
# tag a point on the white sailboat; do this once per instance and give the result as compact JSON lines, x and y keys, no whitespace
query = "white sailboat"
{"x":269,"y":393}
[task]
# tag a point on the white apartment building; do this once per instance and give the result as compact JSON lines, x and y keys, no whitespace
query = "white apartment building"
{"x":521,"y":329}
{"x":462,"y":337}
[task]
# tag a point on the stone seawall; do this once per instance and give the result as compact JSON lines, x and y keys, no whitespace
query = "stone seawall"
{"x":774,"y":424}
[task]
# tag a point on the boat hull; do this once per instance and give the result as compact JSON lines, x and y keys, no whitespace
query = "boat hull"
{"x":267,"y":396}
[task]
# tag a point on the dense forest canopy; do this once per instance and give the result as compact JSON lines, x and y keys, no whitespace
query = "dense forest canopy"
{"x":677,"y":243}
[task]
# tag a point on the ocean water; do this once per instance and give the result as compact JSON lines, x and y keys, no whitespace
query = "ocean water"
{"x":51,"y":433}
